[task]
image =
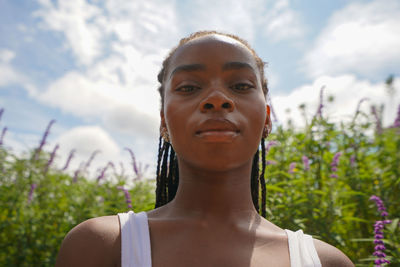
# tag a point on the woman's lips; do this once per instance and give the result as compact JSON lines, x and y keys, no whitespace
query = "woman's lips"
{"x":218,"y":136}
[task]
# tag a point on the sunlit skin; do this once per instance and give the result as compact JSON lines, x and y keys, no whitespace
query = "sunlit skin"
{"x":212,"y":220}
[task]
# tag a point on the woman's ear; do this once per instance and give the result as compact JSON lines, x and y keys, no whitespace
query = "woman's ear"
{"x":162,"y":124}
{"x":268,"y":121}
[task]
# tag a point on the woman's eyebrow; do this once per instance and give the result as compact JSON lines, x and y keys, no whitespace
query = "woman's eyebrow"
{"x":233,"y":65}
{"x":188,"y":67}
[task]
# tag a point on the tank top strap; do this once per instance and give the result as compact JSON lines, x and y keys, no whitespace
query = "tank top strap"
{"x":135,"y":240}
{"x":302,"y":250}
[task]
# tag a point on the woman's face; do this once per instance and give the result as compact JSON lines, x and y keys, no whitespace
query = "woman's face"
{"x":214,"y":106}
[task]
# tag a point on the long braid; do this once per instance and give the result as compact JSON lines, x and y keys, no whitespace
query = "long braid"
{"x":262,"y":180}
{"x":254,"y":181}
{"x":175,"y":179}
{"x":164,"y":173}
{"x":159,"y":178}
{"x":170,"y":183}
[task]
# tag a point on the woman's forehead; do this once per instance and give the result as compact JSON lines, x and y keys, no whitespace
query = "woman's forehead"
{"x":211,"y":46}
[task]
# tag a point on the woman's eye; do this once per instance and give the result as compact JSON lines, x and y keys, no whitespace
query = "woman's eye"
{"x":186,"y":88}
{"x":242,"y":86}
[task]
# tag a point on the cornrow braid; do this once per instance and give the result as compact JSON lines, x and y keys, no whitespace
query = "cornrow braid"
{"x":167,"y":163}
{"x":262,"y":180}
{"x":254,"y":181}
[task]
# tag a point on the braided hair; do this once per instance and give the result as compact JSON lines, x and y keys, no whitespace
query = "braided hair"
{"x":167,"y":164}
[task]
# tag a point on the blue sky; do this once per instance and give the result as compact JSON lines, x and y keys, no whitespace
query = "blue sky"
{"x":92,"y":65}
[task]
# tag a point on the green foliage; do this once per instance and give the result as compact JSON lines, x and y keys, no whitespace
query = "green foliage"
{"x":33,"y":221}
{"x":337,"y":210}
{"x":31,"y":232}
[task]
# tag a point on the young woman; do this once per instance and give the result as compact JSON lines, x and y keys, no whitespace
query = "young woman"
{"x":213,"y":117}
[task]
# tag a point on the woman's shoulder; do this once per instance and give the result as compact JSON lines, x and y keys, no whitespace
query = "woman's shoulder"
{"x":331,"y":256}
{"x":94,"y":242}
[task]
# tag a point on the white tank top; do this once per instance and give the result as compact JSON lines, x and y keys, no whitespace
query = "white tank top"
{"x":136,"y":249}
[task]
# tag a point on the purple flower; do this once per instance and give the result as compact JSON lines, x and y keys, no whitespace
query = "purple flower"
{"x":1,"y":112}
{"x":270,"y":162}
{"x":378,"y":120}
{"x":378,"y":231}
{"x":140,"y":172}
{"x":70,"y":156}
{"x":380,"y":205}
{"x":77,"y":171}
{"x":321,"y":99}
{"x":380,"y":247}
{"x":397,"y":120}
{"x":291,"y":167}
{"x":87,"y":165}
{"x":52,"y":155}
{"x":135,"y":168}
{"x":103,"y":171}
{"x":335,"y":160}
{"x":359,"y":104}
{"x":334,"y":164}
{"x":127,"y":196}
{"x":43,"y":141}
{"x":75,"y":178}
{"x":3,"y":133}
{"x":378,"y":262}
{"x":306,"y":163}
{"x":111,"y":164}
{"x":269,"y":145}
{"x":33,"y":187}
{"x":384,"y":214}
{"x":352,"y":160}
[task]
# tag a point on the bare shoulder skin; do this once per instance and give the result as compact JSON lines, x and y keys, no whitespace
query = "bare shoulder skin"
{"x":94,"y":242}
{"x":331,"y":256}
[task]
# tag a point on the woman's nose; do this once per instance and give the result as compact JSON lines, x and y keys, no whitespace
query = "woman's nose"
{"x":217,"y":101}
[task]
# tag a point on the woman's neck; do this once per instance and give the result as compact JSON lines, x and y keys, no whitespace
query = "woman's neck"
{"x":214,"y":195}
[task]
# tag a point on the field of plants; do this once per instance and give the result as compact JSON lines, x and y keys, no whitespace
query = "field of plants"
{"x":334,"y":181}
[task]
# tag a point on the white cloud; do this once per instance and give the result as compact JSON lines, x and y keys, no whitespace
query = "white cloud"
{"x":78,"y":95}
{"x":137,"y":36}
{"x":127,"y":119}
{"x":145,"y":24}
{"x":347,"y":92}
{"x":361,"y":38}
{"x":282,"y":22}
{"x":113,"y":90}
{"x":86,"y":139}
{"x":277,"y":19}
{"x":7,"y":73}
{"x":235,"y":17}
{"x":6,"y":55}
{"x":81,"y":24}
{"x":9,"y":76}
